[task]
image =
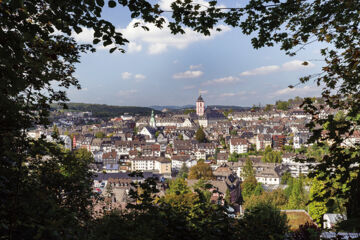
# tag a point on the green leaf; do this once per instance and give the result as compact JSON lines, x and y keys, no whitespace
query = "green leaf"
{"x":96,"y":41}
{"x":112,"y":4}
{"x":77,"y":29}
{"x":100,"y":3}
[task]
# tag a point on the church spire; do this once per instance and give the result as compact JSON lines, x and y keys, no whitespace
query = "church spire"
{"x":200,"y":106}
{"x":152,"y":122}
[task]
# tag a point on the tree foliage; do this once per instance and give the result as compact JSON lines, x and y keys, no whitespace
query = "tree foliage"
{"x":184,"y":171}
{"x":200,"y":135}
{"x":268,"y":107}
{"x":187,"y":215}
{"x":271,"y":156}
{"x":317,"y":209}
{"x":282,"y":105}
{"x":263,"y":221}
{"x":201,"y":171}
{"x":248,"y":170}
{"x":295,"y":192}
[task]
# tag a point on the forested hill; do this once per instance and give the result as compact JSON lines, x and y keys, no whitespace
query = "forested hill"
{"x":103,"y":110}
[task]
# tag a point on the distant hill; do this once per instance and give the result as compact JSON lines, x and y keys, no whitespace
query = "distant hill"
{"x":235,"y":108}
{"x":103,"y":110}
{"x":159,"y":108}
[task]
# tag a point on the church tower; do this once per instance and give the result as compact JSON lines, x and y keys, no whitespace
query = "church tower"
{"x":200,"y":106}
{"x":152,"y":122}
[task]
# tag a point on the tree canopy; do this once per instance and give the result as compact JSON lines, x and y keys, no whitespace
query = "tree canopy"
{"x":37,"y":61}
{"x":271,"y":156}
{"x":201,"y":171}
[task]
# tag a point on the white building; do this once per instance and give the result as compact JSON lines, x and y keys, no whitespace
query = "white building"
{"x":157,"y":164}
{"x":238,"y":145}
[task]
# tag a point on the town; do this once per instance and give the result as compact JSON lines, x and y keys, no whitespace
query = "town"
{"x":170,"y":144}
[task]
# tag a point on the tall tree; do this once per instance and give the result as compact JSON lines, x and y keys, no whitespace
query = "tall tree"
{"x":200,"y":135}
{"x":317,"y":209}
{"x":248,"y":170}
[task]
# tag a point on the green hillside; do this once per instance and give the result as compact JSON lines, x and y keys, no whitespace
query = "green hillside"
{"x":103,"y":110}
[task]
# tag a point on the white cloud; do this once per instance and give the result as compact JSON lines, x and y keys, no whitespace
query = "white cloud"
{"x":288,"y":66}
{"x":86,"y":36}
{"x":126,"y":75}
{"x":140,"y":76}
{"x":203,"y":92}
{"x":296,"y":65}
{"x":134,"y":47}
{"x":192,"y":67}
{"x":229,"y":79}
{"x":157,"y":48}
{"x":301,"y":91}
{"x":159,"y":40}
{"x":127,"y":93}
{"x":188,"y":74}
{"x":261,"y":70}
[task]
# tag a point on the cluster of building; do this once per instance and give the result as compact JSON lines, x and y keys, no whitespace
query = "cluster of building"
{"x":160,"y":145}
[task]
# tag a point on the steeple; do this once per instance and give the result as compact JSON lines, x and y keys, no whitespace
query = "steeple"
{"x":152,"y":122}
{"x":200,"y":106}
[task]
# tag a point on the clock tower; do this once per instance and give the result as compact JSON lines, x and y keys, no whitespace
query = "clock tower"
{"x":200,"y":106}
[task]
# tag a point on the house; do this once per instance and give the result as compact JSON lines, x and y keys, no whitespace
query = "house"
{"x":107,"y":145}
{"x":148,"y":132}
{"x":98,"y":156}
{"x":222,"y":158}
{"x":238,"y":145}
{"x":294,"y":167}
{"x":220,"y":189}
{"x":177,"y":161}
{"x":249,"y":136}
{"x":151,"y":150}
{"x":300,"y":139}
{"x":188,"y":123}
{"x":162,"y":139}
{"x":96,"y":144}
{"x":110,"y":158}
{"x":262,"y":141}
{"x":265,"y":173}
{"x":154,"y":164}
{"x":278,"y":141}
{"x":223,"y":172}
{"x":200,"y":154}
{"x":208,"y":148}
{"x":268,"y":176}
{"x":331,"y":219}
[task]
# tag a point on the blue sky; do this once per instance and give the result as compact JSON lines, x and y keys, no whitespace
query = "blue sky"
{"x":162,"y":69}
